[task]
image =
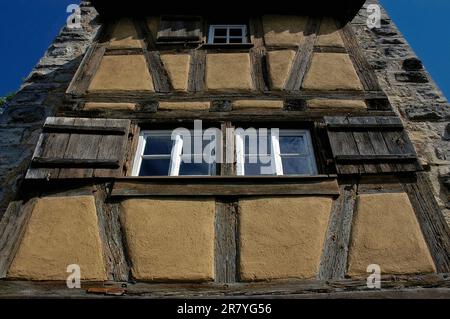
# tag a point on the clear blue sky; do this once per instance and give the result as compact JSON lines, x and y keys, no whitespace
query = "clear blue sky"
{"x":27,"y":28}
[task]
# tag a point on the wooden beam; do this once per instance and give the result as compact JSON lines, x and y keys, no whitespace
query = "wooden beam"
{"x":159,"y":74}
{"x":197,"y":69}
{"x":197,"y":61}
{"x":303,"y":57}
{"x":12,"y":229}
{"x":74,"y":163}
{"x":117,"y":266}
{"x":233,"y":186}
{"x":363,"y":68}
{"x":426,"y":286}
{"x":258,"y":55}
{"x":333,"y":263}
{"x":226,"y":250}
{"x":375,"y":158}
{"x":432,"y":222}
{"x":89,"y":66}
{"x":364,"y":127}
{"x":73,"y":129}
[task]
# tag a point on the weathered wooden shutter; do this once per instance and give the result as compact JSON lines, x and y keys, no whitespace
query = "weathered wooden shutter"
{"x":365,"y":145}
{"x":179,"y":29}
{"x":80,"y":148}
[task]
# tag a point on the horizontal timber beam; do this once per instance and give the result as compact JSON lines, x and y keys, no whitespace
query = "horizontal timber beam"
{"x":425,"y":286}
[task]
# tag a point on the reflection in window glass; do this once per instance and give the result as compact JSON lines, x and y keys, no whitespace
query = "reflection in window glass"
{"x":159,"y":155}
{"x":289,"y":152}
{"x":227,"y":34}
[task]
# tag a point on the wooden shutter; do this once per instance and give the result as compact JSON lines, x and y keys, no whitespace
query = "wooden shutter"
{"x":80,"y":148}
{"x":180,"y":29}
{"x":366,"y":145}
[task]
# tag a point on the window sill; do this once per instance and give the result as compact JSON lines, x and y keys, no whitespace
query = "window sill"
{"x":323,"y":185}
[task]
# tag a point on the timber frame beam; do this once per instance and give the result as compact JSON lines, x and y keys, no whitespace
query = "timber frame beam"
{"x":428,"y":286}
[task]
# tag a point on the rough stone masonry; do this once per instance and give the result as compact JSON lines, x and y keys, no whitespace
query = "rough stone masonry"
{"x":413,"y":94}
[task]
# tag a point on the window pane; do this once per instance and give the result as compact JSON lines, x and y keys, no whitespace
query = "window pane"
{"x":203,"y":169}
{"x":254,"y":145}
{"x":190,"y":149}
{"x":236,"y":32}
{"x":236,"y":40}
{"x":158,"y":145}
{"x":155,"y":167}
{"x":220,"y":32}
{"x":220,"y":40}
{"x":295,"y":165}
{"x":255,"y":166}
{"x":292,"y":145}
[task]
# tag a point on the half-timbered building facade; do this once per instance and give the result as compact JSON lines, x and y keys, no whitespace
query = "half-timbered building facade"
{"x":187,"y":152}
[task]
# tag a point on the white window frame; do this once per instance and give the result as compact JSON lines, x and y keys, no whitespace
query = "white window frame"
{"x":275,"y":150}
{"x":213,"y":27}
{"x":175,"y":156}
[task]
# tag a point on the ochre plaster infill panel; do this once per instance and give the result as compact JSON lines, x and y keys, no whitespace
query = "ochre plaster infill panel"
{"x":332,"y":71}
{"x":385,"y":232}
{"x":228,"y":72}
{"x":331,"y":103}
{"x":184,"y":106}
{"x":170,"y":240}
{"x":177,"y":67}
{"x":282,"y":237}
{"x":109,"y":106}
{"x":262,"y":105}
{"x":279,"y":64}
{"x":61,"y":231}
{"x":122,"y":73}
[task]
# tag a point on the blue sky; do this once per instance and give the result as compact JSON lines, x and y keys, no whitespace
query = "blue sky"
{"x":27,"y":27}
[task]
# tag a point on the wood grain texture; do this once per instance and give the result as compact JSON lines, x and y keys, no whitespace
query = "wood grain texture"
{"x":303,"y":57}
{"x":333,"y":264}
{"x":117,"y":266}
{"x":89,"y":147}
{"x":434,"y":227}
{"x":197,"y":71}
{"x":161,"y":79}
{"x":87,"y":69}
{"x":226,"y":250}
{"x":233,"y":186}
{"x":12,"y":229}
{"x":363,"y":68}
{"x":428,"y":286}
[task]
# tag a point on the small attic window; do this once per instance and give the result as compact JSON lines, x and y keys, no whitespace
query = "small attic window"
{"x":227,"y":34}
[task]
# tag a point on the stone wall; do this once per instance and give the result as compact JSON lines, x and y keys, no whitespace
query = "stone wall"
{"x":413,"y":94}
{"x":40,"y":96}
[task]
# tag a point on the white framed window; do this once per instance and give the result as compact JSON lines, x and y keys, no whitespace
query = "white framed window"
{"x":227,"y":34}
{"x":274,"y":152}
{"x":162,"y":153}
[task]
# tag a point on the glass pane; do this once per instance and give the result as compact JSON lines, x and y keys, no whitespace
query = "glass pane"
{"x":257,"y":145}
{"x":292,"y":145}
{"x":155,"y":167}
{"x":190,"y":149}
{"x":220,"y":32}
{"x":158,"y":145}
{"x":190,"y":169}
{"x":236,"y":32}
{"x":236,"y":40}
{"x":261,"y":167}
{"x":220,"y":40}
{"x":295,"y":166}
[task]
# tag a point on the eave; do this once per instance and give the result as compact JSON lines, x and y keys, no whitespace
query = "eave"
{"x":346,"y":9}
